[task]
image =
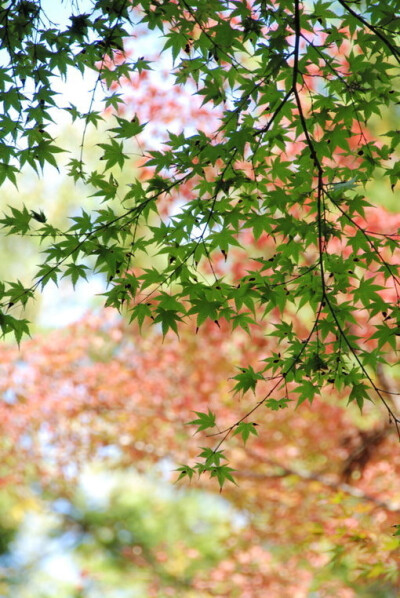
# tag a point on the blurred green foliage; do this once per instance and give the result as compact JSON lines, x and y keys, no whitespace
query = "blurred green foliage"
{"x":117,"y":534}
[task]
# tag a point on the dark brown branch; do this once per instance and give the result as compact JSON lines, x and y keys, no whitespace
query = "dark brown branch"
{"x":395,"y":52}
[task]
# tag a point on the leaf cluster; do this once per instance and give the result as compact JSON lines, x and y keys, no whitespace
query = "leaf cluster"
{"x":286,"y":171}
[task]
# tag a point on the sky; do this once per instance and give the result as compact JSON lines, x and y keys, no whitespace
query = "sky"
{"x":63,"y":305}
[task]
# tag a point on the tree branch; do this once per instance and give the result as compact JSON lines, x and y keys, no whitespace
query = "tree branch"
{"x":308,"y":476}
{"x":395,"y":52}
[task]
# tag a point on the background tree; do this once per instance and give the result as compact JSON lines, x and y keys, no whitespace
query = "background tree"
{"x":313,"y":512}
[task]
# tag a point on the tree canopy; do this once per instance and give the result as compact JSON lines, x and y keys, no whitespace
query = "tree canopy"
{"x":253,"y":212}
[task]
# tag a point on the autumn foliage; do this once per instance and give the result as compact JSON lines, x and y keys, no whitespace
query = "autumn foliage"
{"x":317,"y":488}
